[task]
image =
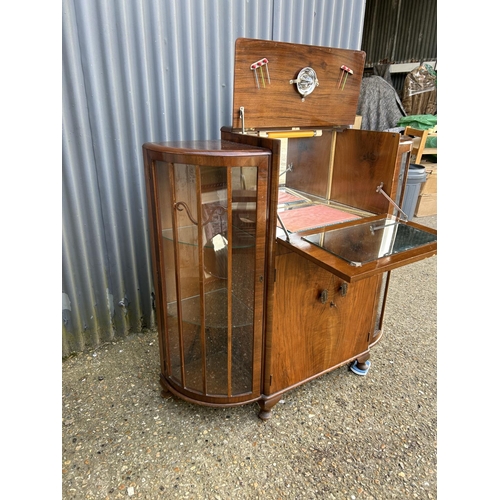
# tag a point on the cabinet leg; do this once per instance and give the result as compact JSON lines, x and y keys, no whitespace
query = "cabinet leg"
{"x":361,"y":365}
{"x":165,"y":393}
{"x":266,"y":406}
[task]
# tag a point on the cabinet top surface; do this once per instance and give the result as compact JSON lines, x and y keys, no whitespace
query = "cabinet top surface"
{"x":209,"y":147}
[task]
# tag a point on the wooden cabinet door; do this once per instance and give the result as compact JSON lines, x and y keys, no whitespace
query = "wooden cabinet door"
{"x":320,"y":321}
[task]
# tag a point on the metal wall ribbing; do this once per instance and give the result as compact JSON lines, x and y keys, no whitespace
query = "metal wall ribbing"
{"x":400,"y":31}
{"x":140,"y":71}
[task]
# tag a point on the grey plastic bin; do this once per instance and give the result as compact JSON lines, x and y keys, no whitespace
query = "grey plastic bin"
{"x":416,"y":177}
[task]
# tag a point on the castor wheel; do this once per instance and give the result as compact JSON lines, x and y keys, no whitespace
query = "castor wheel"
{"x":360,"y":368}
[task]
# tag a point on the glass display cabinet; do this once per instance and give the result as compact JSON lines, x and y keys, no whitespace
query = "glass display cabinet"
{"x":272,"y":247}
{"x":208,"y":206}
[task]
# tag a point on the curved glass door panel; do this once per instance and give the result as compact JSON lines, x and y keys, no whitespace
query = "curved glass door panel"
{"x":164,"y":196}
{"x":244,"y":219}
{"x":208,"y":226}
{"x":215,"y":299}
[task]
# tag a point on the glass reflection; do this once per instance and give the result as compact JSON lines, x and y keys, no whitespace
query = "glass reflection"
{"x":370,"y":241}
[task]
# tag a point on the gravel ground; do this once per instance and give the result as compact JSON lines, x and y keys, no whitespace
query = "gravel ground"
{"x":340,"y":436}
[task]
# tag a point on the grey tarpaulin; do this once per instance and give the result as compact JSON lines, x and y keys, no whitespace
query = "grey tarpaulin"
{"x":379,"y":104}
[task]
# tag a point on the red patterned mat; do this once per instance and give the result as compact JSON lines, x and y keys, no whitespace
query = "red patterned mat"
{"x":300,"y":219}
{"x":284,"y":197}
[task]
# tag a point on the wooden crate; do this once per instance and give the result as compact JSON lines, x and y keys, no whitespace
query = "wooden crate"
{"x":430,"y":185}
{"x":426,"y":205}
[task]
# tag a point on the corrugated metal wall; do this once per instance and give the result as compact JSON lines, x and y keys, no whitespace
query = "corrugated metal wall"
{"x":397,"y":32}
{"x":400,"y":31}
{"x":140,"y":71}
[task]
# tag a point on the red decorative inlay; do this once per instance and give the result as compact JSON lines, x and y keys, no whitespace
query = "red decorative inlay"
{"x":300,"y":219}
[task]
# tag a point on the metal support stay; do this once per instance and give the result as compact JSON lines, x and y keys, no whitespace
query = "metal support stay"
{"x":381,"y":191}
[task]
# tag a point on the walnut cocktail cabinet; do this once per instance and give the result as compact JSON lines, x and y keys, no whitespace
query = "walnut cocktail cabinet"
{"x":273,"y":246}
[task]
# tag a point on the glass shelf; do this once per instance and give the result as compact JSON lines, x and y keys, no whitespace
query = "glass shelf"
{"x":370,"y":241}
{"x":215,"y":310}
{"x":188,"y":235}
